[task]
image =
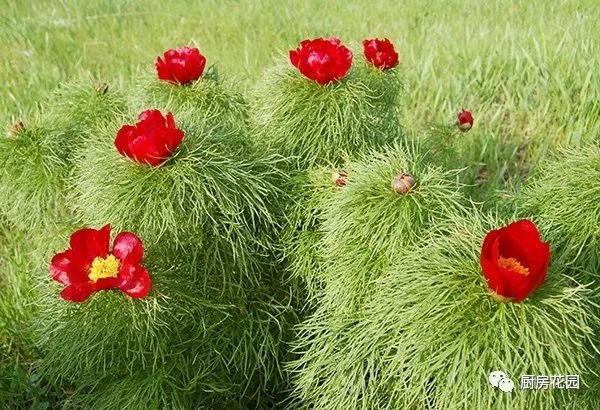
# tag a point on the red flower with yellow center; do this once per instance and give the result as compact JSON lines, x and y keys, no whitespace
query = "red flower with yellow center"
{"x":515,"y":260}
{"x":89,"y":266}
{"x":181,"y":66}
{"x":381,"y":53}
{"x":322,"y":60}
{"x":152,"y":140}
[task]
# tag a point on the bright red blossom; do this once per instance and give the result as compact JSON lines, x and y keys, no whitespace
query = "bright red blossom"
{"x":381,"y":53}
{"x":181,"y":66}
{"x":515,"y":260}
{"x":152,"y":140}
{"x":464,"y":120}
{"x":322,"y":60}
{"x":88,"y":266}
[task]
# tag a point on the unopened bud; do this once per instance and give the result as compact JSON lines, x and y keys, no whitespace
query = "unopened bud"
{"x":101,"y":88}
{"x":339,"y":178}
{"x":403,"y":183}
{"x":464,"y":120}
{"x":17,"y":128}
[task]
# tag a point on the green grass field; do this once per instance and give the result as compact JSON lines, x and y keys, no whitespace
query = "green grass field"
{"x":528,"y":70}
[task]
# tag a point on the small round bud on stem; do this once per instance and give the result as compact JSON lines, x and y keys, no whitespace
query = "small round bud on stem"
{"x":339,"y":178}
{"x":16,"y":129}
{"x":101,"y":88}
{"x":403,"y":183}
{"x":464,"y":120}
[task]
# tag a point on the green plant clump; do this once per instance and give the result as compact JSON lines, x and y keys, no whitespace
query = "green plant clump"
{"x":431,"y":333}
{"x":321,"y":125}
{"x":212,"y":331}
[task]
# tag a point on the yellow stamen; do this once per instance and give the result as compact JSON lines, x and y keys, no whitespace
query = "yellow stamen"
{"x":513,"y":265}
{"x":104,"y":268}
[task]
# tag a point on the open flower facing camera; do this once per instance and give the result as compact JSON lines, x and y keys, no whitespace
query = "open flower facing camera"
{"x":515,"y":260}
{"x":323,"y":60}
{"x":89,"y":265}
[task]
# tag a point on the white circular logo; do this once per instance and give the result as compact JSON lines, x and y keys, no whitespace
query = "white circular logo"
{"x":496,"y":376}
{"x":506,"y":385}
{"x":501,"y":380}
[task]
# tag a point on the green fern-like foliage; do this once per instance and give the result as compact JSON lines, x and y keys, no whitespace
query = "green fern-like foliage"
{"x":179,"y":345}
{"x":366,"y":225}
{"x":211,"y":100}
{"x":303,"y":215}
{"x":36,"y":161}
{"x":321,"y":125}
{"x":208,"y":195}
{"x":32,"y":177}
{"x":565,"y":196}
{"x":16,"y":387}
{"x":431,"y":333}
{"x":212,"y":331}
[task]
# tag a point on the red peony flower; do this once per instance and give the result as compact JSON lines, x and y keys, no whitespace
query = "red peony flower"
{"x":464,"y":120}
{"x":515,"y":260}
{"x":88,"y":266}
{"x":152,"y":140}
{"x":380,"y":53}
{"x":322,"y":60}
{"x":182,"y":66}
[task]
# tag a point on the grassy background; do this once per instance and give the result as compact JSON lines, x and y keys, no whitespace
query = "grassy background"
{"x":527,"y":69}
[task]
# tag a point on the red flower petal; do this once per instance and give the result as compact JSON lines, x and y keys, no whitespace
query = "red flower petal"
{"x":148,"y":151}
{"x":152,"y":140}
{"x":134,"y":281}
{"x":162,"y":69}
{"x":322,"y":60}
{"x":124,"y":136}
{"x":150,"y":119}
{"x":380,"y":53}
{"x":172,"y":140}
{"x":65,"y":269}
{"x":105,"y":284}
{"x":170,"y":121}
{"x":88,"y":243}
{"x":128,"y":248}
{"x":183,"y":66}
{"x":489,"y":262}
{"x":77,"y":292}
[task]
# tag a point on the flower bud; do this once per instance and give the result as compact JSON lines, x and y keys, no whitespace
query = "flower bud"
{"x":464,"y":120}
{"x":101,"y":88}
{"x":403,"y":183}
{"x":339,"y":178}
{"x":16,"y":129}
